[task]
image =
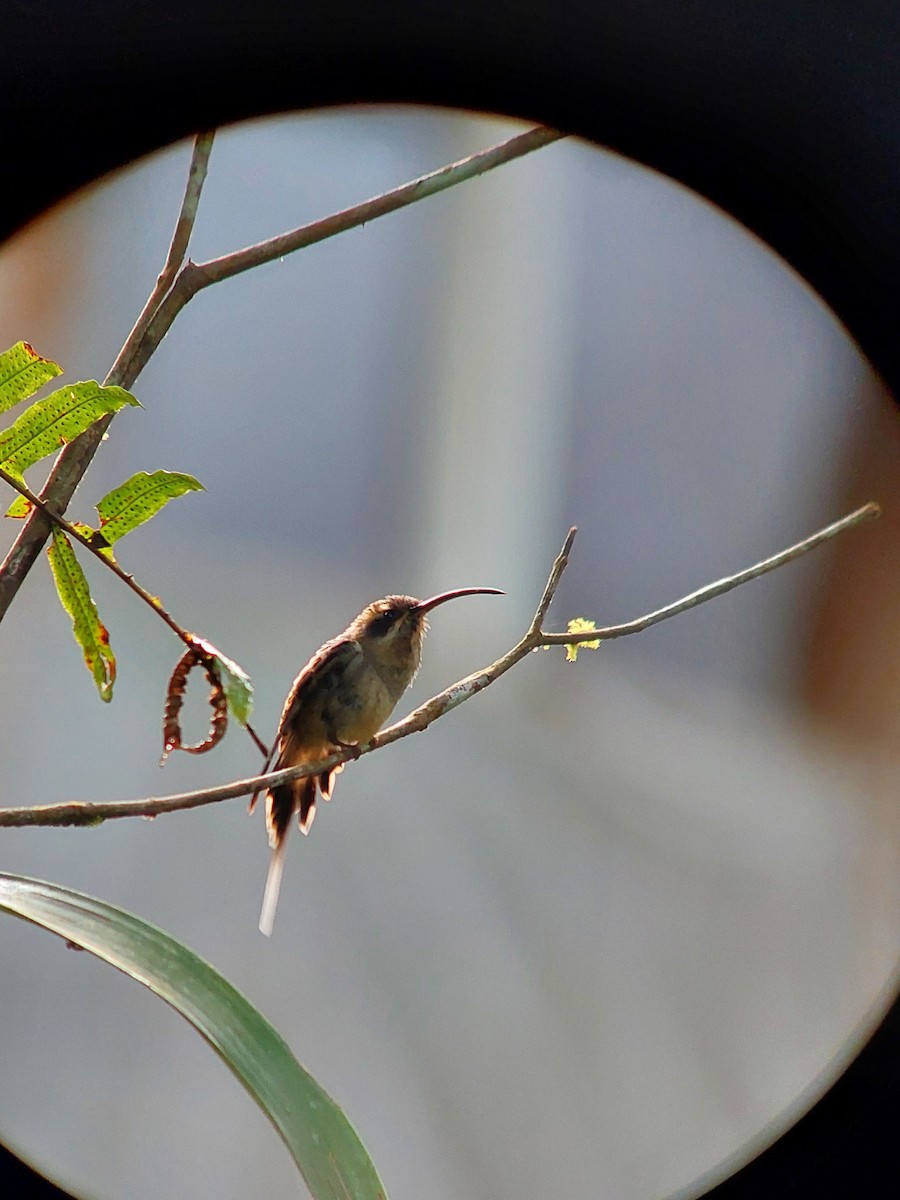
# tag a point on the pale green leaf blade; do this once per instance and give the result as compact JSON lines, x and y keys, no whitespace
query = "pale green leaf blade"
{"x":323,"y":1143}
{"x":59,"y":418}
{"x":140,"y":498}
{"x":75,"y":596}
{"x":22,"y":372}
{"x":19,"y":509}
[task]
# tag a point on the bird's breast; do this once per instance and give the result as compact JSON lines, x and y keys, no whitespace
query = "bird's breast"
{"x":361,"y":703}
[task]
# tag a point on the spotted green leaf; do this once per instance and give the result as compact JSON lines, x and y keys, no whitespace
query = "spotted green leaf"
{"x":322,"y":1142}
{"x":20,"y":507}
{"x":22,"y":372}
{"x":137,"y":500}
{"x":50,"y":423}
{"x":90,"y":632}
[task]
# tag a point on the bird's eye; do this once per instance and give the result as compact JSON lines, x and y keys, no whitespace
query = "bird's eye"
{"x":383,"y":623}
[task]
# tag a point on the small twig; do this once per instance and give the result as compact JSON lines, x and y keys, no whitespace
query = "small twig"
{"x":196,"y":276}
{"x":75,"y":458}
{"x":55,"y":519}
{"x":562,"y":561}
{"x":866,"y":513}
{"x":194,"y":644}
{"x":89,"y":813}
{"x":152,"y":326}
{"x":184,"y":227}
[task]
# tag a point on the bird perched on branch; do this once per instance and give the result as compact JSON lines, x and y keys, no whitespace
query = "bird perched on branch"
{"x":340,"y":699}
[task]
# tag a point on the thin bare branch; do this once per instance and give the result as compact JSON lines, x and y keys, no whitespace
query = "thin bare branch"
{"x":368,"y":210}
{"x":562,"y":561}
{"x":184,"y":227}
{"x":197,"y":276}
{"x":89,"y":813}
{"x":75,"y":458}
{"x":866,"y":513}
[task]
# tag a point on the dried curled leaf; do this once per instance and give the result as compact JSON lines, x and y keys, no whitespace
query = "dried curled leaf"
{"x":580,"y":625}
{"x":22,"y":372}
{"x":75,"y":597}
{"x":218,"y":702}
{"x":230,"y":690}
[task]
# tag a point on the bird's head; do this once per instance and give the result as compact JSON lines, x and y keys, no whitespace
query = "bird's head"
{"x":392,"y":629}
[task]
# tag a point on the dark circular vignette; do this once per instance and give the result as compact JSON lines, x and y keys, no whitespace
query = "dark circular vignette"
{"x":784,"y":114}
{"x":787,"y":115}
{"x":18,"y":1180}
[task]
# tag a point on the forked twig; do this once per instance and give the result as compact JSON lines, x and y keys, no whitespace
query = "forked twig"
{"x":75,"y":458}
{"x":197,"y":652}
{"x":174,"y":288}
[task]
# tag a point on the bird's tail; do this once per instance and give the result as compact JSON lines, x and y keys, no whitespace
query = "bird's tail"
{"x":281,"y":803}
{"x":273,"y":886}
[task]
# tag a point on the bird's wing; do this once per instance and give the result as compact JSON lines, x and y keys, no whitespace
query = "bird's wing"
{"x":318,"y":680}
{"x":320,"y":675}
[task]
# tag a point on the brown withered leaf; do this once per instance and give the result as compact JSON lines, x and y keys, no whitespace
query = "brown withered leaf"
{"x":193,"y":657}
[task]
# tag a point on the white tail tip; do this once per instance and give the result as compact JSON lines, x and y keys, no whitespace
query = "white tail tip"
{"x":273,"y":887}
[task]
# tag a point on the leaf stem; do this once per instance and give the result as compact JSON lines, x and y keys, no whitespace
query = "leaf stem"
{"x":55,"y":519}
{"x":191,"y":640}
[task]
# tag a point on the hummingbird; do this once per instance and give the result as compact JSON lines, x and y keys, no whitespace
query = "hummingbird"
{"x":339,"y":700}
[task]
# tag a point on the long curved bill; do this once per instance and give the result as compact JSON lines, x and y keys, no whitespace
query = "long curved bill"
{"x":425,"y":606}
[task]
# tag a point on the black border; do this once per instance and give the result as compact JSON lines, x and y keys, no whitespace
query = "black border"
{"x":786,"y":113}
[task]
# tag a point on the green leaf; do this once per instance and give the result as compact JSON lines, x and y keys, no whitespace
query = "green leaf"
{"x":50,"y":423}
{"x":580,"y":625}
{"x":323,"y":1143}
{"x":20,"y":507}
{"x":22,"y":372}
{"x":235,"y":682}
{"x":237,"y":687}
{"x":75,"y":597}
{"x":140,"y":498}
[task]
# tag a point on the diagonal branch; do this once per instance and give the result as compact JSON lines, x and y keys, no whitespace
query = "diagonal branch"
{"x":194,"y":277}
{"x":170,"y":297}
{"x":75,"y":458}
{"x":867,"y":512}
{"x":556,"y":571}
{"x":73,"y":532}
{"x":88,"y":813}
{"x":193,"y":643}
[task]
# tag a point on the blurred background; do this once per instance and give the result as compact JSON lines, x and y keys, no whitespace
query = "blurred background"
{"x":601,"y":926}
